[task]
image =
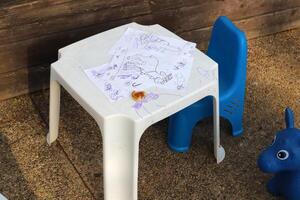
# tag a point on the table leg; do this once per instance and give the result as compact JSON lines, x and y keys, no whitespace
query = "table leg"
{"x":218,"y":149}
{"x":54,"y":111}
{"x":120,"y":159}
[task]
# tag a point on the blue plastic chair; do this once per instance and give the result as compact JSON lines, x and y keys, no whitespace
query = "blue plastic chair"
{"x":228,"y":47}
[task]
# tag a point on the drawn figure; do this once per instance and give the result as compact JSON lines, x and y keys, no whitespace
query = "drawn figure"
{"x":133,"y":67}
{"x":179,"y":81}
{"x":282,"y":158}
{"x":163,"y":78}
{"x":151,"y":42}
{"x":107,"y":87}
{"x":98,"y":74}
{"x":179,"y":65}
{"x":150,"y":98}
{"x":127,"y":83}
{"x":104,"y":73}
{"x":139,"y":104}
{"x":124,"y":76}
{"x":136,"y":84}
{"x":115,"y":95}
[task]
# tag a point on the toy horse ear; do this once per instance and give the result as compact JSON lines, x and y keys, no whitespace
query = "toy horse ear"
{"x":289,"y":118}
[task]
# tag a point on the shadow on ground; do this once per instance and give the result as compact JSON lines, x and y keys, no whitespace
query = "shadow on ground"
{"x":13,"y":185}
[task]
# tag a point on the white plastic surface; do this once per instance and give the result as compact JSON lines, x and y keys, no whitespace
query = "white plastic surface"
{"x":2,"y":197}
{"x":121,"y":124}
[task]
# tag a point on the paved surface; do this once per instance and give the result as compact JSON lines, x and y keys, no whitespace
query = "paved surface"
{"x":72,"y":167}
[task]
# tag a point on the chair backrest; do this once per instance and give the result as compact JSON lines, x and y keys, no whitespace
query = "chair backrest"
{"x":228,"y":47}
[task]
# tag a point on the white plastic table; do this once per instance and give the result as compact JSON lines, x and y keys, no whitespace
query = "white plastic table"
{"x":2,"y":197}
{"x":121,"y":125}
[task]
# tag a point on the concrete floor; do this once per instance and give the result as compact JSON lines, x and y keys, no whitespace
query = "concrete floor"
{"x":72,"y":167}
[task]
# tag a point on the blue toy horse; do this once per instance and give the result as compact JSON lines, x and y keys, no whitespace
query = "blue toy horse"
{"x":282,"y":158}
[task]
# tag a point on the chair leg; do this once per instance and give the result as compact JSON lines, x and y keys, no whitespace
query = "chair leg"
{"x":180,"y":132}
{"x":237,"y":130}
{"x":237,"y":125}
{"x":120,"y":159}
{"x":54,"y":111}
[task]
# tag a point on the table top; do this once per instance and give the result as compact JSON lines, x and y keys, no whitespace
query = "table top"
{"x":93,"y":51}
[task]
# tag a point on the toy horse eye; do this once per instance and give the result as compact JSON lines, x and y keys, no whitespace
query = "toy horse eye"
{"x":282,"y":155}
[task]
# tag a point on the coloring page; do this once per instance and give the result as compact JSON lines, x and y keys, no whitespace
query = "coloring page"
{"x":134,"y":39}
{"x":141,"y":61}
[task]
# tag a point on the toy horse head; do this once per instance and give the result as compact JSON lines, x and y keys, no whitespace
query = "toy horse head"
{"x":284,"y":152}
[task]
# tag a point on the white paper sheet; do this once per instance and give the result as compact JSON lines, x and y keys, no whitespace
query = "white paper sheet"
{"x":141,"y":61}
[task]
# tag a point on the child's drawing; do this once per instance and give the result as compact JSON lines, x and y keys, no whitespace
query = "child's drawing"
{"x":141,"y":61}
{"x":155,"y":43}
